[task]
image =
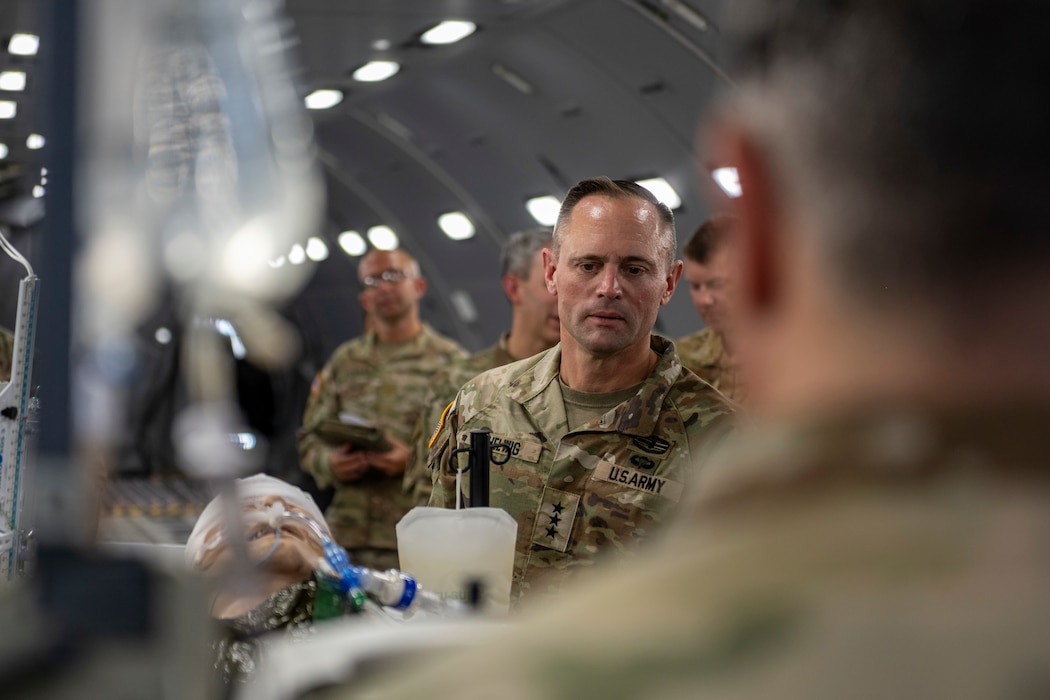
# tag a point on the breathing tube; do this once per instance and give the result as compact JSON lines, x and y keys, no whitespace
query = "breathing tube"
{"x":391,"y":588}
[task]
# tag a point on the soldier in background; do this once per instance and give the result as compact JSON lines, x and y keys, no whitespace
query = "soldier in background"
{"x":883,"y":529}
{"x":534,"y":328}
{"x":7,"y":351}
{"x":595,"y":438}
{"x":707,"y":272}
{"x":380,"y":377}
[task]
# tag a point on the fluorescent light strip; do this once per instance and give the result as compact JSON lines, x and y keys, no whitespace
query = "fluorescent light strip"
{"x":456,"y":225}
{"x":448,"y":32}
{"x":544,"y":209}
{"x":663,"y":191}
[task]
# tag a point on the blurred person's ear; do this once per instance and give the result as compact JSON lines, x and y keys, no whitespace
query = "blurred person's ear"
{"x":419,"y":284}
{"x":512,"y":288}
{"x":758,"y":217}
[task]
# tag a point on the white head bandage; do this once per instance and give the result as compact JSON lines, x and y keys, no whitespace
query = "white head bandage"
{"x":252,"y":493}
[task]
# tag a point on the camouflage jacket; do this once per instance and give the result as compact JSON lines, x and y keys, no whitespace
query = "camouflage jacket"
{"x":384,"y":384}
{"x":7,"y":352}
{"x":901,"y":554}
{"x":443,"y":388}
{"x":578,"y":494}
{"x":704,"y":354}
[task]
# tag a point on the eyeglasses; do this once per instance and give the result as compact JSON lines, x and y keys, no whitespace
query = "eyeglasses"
{"x":391,"y":276}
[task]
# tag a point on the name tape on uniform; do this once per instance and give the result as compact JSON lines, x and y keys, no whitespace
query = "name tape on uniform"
{"x":632,"y":478}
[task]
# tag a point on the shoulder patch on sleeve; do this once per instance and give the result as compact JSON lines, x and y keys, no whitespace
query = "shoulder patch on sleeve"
{"x":315,"y":387}
{"x":440,"y":425}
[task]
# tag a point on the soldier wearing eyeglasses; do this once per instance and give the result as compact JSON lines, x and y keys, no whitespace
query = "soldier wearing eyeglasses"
{"x":380,"y":377}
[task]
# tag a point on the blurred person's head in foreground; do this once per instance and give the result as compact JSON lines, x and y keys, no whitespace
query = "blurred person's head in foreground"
{"x":896,"y":238}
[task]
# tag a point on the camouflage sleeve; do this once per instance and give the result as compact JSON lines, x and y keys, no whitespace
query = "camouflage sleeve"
{"x":314,"y":452}
{"x":417,"y":478}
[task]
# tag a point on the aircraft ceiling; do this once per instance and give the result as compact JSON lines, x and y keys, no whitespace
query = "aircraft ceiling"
{"x":544,"y":93}
{"x":596,"y":87}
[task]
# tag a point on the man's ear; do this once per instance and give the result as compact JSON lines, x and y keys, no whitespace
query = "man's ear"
{"x":549,"y":266}
{"x":512,"y":288}
{"x":420,"y":284}
{"x":757,"y":213}
{"x":673,"y":277}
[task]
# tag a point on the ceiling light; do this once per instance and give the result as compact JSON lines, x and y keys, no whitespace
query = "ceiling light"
{"x":163,"y":335}
{"x":23,"y":44}
{"x":8,"y":109}
{"x":352,"y":243}
{"x":383,"y":237}
{"x":38,"y":191}
{"x":316,"y":249}
{"x":513,"y":79}
{"x":448,"y":32}
{"x":297,"y":256}
{"x":4,"y":150}
{"x":13,"y":80}
{"x":323,"y":99}
{"x":374,"y":71}
{"x":35,"y":142}
{"x":456,"y":225}
{"x":728,"y":179}
{"x":544,"y":209}
{"x":381,"y":44}
{"x":663,"y":191}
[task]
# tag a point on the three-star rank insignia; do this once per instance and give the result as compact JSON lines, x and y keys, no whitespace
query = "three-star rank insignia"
{"x":554,"y":519}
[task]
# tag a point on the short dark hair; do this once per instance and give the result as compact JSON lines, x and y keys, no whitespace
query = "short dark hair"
{"x":907,"y":130}
{"x":520,"y":249}
{"x":616,"y":189}
{"x":709,"y":238}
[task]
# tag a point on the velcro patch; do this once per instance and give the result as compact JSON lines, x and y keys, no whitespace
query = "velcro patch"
{"x":554,"y":519}
{"x":638,"y":480}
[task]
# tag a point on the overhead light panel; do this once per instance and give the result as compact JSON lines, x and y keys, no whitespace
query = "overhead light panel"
{"x":12,"y":80}
{"x":323,"y":99}
{"x":38,"y":191}
{"x":4,"y":150}
{"x":729,"y":180}
{"x":544,"y":209}
{"x":663,"y":191}
{"x":352,"y":243}
{"x":456,"y":225}
{"x":23,"y":44}
{"x":316,"y":249}
{"x":513,"y":79}
{"x":383,"y":237}
{"x":448,"y":32}
{"x":8,"y":109}
{"x":375,"y":71}
{"x":162,"y":335}
{"x":35,"y":142}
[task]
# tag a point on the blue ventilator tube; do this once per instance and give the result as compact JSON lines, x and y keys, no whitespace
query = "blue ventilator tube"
{"x":391,"y":588}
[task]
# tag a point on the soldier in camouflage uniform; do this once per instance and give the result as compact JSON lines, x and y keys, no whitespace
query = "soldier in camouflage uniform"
{"x":706,"y":271}
{"x":882,"y":530}
{"x":595,"y":439}
{"x":534,"y":328}
{"x":382,"y":378}
{"x":7,"y":352}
